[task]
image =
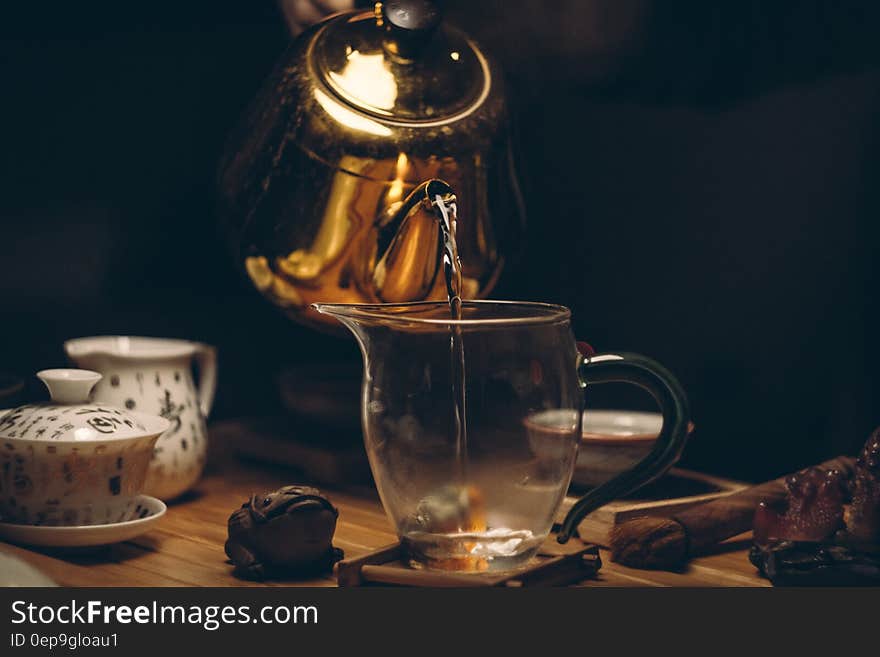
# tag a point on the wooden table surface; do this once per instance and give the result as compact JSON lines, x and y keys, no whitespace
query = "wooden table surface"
{"x":186,"y":548}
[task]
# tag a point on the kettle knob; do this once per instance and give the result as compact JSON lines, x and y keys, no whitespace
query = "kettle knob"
{"x":410,"y":24}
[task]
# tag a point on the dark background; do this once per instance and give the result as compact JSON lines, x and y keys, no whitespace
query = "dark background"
{"x":701,"y":180}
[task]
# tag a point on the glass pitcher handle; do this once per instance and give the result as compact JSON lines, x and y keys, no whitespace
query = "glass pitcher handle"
{"x":667,"y":391}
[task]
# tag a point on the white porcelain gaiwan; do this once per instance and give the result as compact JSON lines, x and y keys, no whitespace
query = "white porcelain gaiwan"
{"x":155,"y":375}
{"x":70,"y":462}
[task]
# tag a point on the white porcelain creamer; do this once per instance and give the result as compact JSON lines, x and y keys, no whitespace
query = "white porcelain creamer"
{"x":155,"y":375}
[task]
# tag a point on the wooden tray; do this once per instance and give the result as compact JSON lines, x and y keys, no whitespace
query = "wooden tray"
{"x":555,"y":565}
{"x":676,"y":491}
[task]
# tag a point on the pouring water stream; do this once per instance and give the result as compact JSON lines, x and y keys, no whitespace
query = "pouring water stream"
{"x":447,"y":211}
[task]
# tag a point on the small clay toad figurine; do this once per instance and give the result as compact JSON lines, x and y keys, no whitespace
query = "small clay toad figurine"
{"x":286,"y":532}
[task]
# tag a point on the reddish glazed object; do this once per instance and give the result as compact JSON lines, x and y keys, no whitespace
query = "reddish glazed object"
{"x":585,"y":349}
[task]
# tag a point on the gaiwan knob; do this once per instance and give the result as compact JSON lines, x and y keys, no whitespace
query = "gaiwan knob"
{"x":69,"y":386}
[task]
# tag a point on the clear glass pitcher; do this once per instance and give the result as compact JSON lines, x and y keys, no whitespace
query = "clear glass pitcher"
{"x":470,"y":465}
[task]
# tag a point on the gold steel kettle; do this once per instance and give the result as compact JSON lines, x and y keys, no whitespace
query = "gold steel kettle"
{"x":322,"y":185}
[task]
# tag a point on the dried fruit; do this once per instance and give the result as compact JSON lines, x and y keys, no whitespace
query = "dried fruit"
{"x":814,"y":510}
{"x":828,"y":529}
{"x":790,"y":563}
{"x":863,"y":514}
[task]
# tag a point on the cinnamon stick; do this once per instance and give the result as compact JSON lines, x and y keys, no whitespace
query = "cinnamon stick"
{"x":669,"y":542}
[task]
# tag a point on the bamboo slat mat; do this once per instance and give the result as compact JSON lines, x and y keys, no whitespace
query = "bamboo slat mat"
{"x":186,"y":548}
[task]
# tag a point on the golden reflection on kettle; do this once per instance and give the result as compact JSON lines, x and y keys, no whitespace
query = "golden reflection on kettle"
{"x":317,"y":184}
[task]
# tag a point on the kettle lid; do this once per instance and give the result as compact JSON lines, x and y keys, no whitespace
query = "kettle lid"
{"x":400,"y":62}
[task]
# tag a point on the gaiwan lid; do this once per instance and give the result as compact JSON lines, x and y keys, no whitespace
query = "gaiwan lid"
{"x":70,"y":417}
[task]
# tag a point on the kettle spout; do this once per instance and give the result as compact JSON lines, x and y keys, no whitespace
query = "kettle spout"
{"x":410,"y":244}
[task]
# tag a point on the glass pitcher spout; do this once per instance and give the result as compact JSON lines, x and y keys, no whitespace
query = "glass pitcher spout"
{"x":345,"y":313}
{"x":351,"y":316}
{"x":409,"y":245}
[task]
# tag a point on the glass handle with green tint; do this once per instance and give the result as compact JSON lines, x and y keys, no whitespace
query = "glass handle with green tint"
{"x":667,"y":391}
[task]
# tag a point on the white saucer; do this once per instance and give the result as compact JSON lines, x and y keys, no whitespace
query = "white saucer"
{"x":86,"y":535}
